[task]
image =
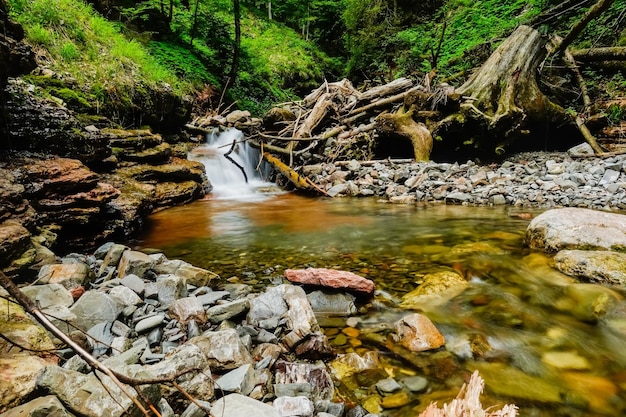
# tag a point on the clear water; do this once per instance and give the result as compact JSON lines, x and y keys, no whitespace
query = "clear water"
{"x":515,"y":315}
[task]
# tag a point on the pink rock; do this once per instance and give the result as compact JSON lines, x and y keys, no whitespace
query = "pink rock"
{"x":417,"y":333}
{"x":331,"y":278}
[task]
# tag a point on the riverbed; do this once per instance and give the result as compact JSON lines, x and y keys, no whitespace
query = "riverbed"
{"x":516,"y":322}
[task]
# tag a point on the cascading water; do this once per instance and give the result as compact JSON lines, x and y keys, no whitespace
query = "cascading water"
{"x":225,"y":169}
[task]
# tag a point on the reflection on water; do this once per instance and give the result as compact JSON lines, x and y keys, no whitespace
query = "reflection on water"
{"x":532,"y":332}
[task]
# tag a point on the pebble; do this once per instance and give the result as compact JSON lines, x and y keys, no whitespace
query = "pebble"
{"x":538,"y":180}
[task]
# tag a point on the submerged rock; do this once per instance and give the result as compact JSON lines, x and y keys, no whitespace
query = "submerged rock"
{"x":417,"y":333}
{"x":603,"y":267}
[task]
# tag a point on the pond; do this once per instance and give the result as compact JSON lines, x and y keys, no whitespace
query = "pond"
{"x":527,"y":328}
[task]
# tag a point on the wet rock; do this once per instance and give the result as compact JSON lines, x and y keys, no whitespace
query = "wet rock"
{"x":237,"y":405}
{"x":134,"y":262}
{"x":559,"y":229}
{"x":566,"y":360}
{"x":69,"y":275}
{"x":437,"y":288}
{"x":415,"y":383}
{"x":223,"y":349}
{"x":187,"y":309}
{"x":39,"y":407}
{"x":417,"y":333}
{"x":396,"y":400}
{"x":294,"y":406}
{"x":388,"y":385}
{"x":513,"y":383}
{"x":94,"y":307}
{"x":331,"y":278}
{"x":355,"y":371}
{"x":332,"y":304}
{"x":603,"y":267}
{"x":587,"y":302}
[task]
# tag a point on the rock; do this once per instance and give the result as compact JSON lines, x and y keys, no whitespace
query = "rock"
{"x":198,"y":383}
{"x":286,"y":301}
{"x":566,"y":360}
{"x":193,"y":410}
{"x":396,"y":400}
{"x":18,"y":377}
{"x":112,"y":256}
{"x":417,"y":333}
{"x":355,"y":371}
{"x":192,"y":274}
{"x":415,"y":383}
{"x":124,"y":296}
{"x":170,"y":288}
{"x":186,"y":309}
{"x":240,"y":380}
{"x":135,"y":283}
{"x":587,"y":302}
{"x":14,"y":240}
{"x":314,"y":376}
{"x":513,"y":383}
{"x":149,"y":323}
{"x":227,"y":311}
{"x":436,"y":288}
{"x":294,"y":407}
{"x":69,"y":275}
{"x":559,"y":229}
{"x":332,"y":304}
{"x":49,"y":295}
{"x":86,"y":395}
{"x":43,"y":406}
{"x":603,"y":267}
{"x":94,"y":307}
{"x":388,"y":385}
{"x":237,"y":405}
{"x":134,"y":262}
{"x":331,"y":278}
{"x":223,"y":349}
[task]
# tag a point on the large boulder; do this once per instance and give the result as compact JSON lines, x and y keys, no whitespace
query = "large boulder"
{"x":603,"y":267}
{"x":577,"y":228}
{"x":331,"y":278}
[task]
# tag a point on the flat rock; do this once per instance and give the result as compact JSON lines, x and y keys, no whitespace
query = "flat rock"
{"x":332,"y":304}
{"x":70,"y":275}
{"x":134,"y":262}
{"x":237,"y":405}
{"x":223,"y":349}
{"x":187,"y":309}
{"x":49,"y":295}
{"x":603,"y":267}
{"x":95,"y":307}
{"x":39,"y":407}
{"x":331,"y":278}
{"x":240,"y":380}
{"x":577,"y":228}
{"x":294,"y":406}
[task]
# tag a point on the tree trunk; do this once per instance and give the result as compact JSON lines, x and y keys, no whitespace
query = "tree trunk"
{"x":234,"y":68}
{"x":502,"y":98}
{"x":611,"y":53}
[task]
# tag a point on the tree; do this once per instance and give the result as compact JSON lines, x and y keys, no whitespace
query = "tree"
{"x":234,"y":68}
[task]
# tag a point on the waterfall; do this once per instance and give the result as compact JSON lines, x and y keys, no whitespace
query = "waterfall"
{"x":225,"y":169}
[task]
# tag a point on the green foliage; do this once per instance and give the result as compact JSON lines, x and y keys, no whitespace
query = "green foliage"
{"x":182,"y":61}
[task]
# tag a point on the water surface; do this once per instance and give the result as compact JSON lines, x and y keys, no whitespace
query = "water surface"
{"x":516,"y":316}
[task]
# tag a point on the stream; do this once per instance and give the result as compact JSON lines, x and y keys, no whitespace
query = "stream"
{"x":522,"y":324}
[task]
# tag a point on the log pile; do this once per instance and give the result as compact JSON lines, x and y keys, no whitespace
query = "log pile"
{"x":338,"y":122}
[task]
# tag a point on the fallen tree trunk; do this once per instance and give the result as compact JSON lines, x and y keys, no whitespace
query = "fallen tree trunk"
{"x":613,"y":53}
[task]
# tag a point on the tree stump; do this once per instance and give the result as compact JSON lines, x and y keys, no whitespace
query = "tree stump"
{"x":502,"y":98}
{"x":401,"y":124}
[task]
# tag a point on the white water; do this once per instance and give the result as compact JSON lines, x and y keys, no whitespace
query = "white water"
{"x":226,"y":177}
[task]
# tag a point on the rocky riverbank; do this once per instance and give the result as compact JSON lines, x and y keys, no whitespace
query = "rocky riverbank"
{"x":193,"y":335}
{"x":544,"y":180}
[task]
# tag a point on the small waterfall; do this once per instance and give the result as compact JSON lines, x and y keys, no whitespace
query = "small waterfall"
{"x":225,"y":169}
